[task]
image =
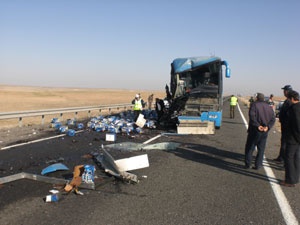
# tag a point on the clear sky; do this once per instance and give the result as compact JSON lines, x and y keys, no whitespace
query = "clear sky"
{"x":131,"y":43}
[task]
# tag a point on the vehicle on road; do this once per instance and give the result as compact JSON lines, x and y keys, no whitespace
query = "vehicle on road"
{"x":196,"y":94}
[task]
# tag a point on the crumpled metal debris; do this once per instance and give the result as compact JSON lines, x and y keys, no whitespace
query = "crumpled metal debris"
{"x":131,"y":146}
{"x":117,"y":168}
{"x":51,"y":180}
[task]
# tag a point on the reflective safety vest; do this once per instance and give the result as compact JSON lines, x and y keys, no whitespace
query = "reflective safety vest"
{"x":233,"y":100}
{"x":138,"y":104}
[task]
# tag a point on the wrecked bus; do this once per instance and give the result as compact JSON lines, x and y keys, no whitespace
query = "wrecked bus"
{"x":196,"y":94}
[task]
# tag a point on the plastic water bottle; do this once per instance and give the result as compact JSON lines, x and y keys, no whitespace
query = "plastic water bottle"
{"x":54,"y":120}
{"x":150,"y":124}
{"x":70,"y":122}
{"x":80,"y":126}
{"x":52,"y":198}
{"x":88,"y":174}
{"x":138,"y":130}
{"x":111,"y":129}
{"x":71,"y":132}
{"x":57,"y":125}
{"x":63,"y":129}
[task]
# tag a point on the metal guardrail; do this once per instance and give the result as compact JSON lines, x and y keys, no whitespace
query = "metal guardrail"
{"x":61,"y":111}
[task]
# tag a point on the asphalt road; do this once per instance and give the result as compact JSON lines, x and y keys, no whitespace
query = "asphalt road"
{"x":201,"y":182}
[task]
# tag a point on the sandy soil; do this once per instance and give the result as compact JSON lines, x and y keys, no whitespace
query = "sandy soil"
{"x":18,"y":98}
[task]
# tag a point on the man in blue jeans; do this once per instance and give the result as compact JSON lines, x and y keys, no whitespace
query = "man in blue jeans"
{"x":261,"y":120}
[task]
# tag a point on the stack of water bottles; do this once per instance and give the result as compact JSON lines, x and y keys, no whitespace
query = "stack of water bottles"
{"x":55,"y":123}
{"x":123,"y":123}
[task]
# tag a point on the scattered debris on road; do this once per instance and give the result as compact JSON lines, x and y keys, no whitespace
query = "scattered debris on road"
{"x":53,"y":168}
{"x":132,"y":146}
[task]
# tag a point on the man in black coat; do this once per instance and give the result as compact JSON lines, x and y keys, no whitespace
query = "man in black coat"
{"x":283,"y":119}
{"x":292,"y":151}
{"x":261,"y":120}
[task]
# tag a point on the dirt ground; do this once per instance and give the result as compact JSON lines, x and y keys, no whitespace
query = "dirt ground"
{"x":18,"y":98}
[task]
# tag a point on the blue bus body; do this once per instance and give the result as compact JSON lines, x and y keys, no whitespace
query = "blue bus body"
{"x":196,"y":88}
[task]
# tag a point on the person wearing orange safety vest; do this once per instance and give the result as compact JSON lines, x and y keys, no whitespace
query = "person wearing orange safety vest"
{"x":233,"y":102}
{"x":138,"y":105}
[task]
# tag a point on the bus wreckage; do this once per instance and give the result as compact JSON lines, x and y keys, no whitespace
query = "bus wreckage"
{"x":194,"y":100}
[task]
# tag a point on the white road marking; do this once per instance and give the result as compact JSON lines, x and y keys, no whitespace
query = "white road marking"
{"x":35,"y":141}
{"x":282,"y":201}
{"x":152,"y":139}
{"x":243,"y":117}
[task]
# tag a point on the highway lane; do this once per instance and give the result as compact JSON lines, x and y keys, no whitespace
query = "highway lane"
{"x":201,"y":182}
{"x":286,"y":197}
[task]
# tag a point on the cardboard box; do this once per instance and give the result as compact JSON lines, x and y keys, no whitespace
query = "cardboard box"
{"x":110,"y":137}
{"x":140,"y":121}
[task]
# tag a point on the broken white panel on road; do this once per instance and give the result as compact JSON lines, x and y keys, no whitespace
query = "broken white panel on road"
{"x":195,"y":127}
{"x":119,"y":168}
{"x":132,"y":163}
{"x":131,"y":146}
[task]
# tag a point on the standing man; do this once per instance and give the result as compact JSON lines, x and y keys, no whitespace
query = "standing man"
{"x":292,"y":151}
{"x":251,"y":100}
{"x":150,"y":101}
{"x":233,"y":101}
{"x":138,"y":103}
{"x":261,"y":120}
{"x":271,"y":102}
{"x":160,"y":108}
{"x":283,"y":119}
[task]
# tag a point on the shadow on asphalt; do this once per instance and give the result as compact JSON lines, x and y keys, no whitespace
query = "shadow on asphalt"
{"x":225,"y":160}
{"x":275,"y":165}
{"x":231,"y":122}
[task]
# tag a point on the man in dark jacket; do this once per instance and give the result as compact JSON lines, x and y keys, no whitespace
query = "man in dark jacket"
{"x":261,"y":120}
{"x":292,"y":151}
{"x":283,"y":117}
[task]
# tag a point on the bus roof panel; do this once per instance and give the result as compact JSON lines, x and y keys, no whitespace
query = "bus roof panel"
{"x":186,"y":64}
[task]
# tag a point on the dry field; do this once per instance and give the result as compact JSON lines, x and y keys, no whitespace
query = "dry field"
{"x":18,"y":98}
{"x":245,"y":101}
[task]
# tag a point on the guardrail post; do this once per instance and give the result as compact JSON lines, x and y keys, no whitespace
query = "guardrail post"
{"x":61,"y":117}
{"x":76,"y":115}
{"x":89,"y":114}
{"x":20,"y":121}
{"x":43,"y":120}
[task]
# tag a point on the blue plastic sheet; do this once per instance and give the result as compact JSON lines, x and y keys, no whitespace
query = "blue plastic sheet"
{"x":53,"y":168}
